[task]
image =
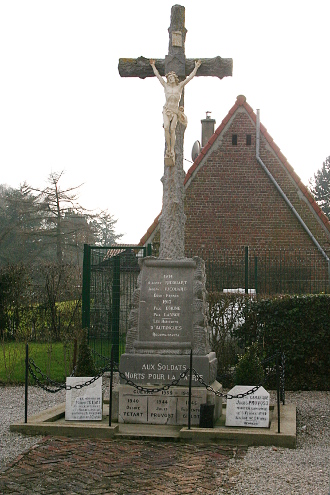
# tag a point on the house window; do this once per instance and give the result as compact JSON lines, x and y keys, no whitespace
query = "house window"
{"x":234,"y":139}
{"x":248,"y":140}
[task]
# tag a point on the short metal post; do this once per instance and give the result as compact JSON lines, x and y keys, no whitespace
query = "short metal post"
{"x":283,"y":378}
{"x":189,"y":401}
{"x":111,"y":381}
{"x":278,"y":394}
{"x":26,"y":380}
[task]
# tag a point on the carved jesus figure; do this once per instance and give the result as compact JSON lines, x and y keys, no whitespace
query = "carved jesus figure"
{"x":171,"y":110}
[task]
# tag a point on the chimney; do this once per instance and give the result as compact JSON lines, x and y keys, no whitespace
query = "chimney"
{"x":207,"y":128}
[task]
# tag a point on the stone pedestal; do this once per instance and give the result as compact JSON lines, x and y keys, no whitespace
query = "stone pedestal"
{"x":169,"y":314}
{"x":162,"y":369}
{"x":167,"y":407}
{"x":167,"y":321}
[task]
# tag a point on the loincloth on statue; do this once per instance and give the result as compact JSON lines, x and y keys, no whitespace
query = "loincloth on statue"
{"x":169,"y":112}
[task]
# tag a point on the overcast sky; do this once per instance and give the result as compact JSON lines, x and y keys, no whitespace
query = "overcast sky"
{"x":63,"y":105}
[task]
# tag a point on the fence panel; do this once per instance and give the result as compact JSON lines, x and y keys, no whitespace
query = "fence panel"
{"x":266,"y":272}
{"x":108,"y":289}
{"x":110,"y":277}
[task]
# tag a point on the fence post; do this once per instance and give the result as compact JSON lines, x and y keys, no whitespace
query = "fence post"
{"x":86,"y":289}
{"x":283,"y":378}
{"x":278,"y":394}
{"x":111,"y":381}
{"x":246,"y":269}
{"x":116,"y":307}
{"x":190,"y":379}
{"x":256,"y":273}
{"x":26,"y":381}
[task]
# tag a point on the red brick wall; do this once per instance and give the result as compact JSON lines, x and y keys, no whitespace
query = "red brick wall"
{"x":231,"y":203}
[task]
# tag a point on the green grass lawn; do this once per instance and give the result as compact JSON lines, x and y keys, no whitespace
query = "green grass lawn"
{"x":54,"y":360}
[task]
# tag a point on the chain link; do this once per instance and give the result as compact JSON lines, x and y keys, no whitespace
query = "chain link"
{"x":106,"y":359}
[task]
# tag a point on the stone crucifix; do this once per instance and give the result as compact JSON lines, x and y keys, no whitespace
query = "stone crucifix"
{"x":178,"y":70}
{"x":172,"y":112}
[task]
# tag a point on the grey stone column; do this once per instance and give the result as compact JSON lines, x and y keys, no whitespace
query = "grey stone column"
{"x":172,"y":220}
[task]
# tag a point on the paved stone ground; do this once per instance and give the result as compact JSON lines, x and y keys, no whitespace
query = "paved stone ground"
{"x":59,"y":466}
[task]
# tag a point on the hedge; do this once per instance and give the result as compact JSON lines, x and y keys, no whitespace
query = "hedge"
{"x":299,"y":326}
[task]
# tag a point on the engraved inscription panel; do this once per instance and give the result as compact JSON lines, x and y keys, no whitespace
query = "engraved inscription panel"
{"x":166,"y":303}
{"x":83,"y":404}
{"x":165,"y":407}
{"x":249,"y":411}
{"x":163,"y":369}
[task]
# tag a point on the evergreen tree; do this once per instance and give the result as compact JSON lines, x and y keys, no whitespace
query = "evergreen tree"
{"x":320,"y":186}
{"x":249,"y":370}
{"x":103,"y":225}
{"x":85,"y":362}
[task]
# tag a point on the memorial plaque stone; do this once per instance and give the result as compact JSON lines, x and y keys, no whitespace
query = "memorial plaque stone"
{"x":165,"y":312}
{"x":84,"y":404}
{"x":167,"y":407}
{"x":249,"y":411}
{"x":168,"y":319}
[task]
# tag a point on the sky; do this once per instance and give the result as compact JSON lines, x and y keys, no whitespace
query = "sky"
{"x":64,"y":107}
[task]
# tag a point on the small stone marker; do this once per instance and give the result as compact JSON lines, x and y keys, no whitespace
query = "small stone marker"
{"x":249,"y":411}
{"x":84,"y":404}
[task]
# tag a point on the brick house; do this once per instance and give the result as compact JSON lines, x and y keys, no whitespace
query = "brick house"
{"x":234,"y":198}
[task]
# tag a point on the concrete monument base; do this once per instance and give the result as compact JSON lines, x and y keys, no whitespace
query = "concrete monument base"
{"x":167,"y":407}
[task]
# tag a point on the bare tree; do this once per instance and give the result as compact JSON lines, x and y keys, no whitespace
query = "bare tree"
{"x":65,"y":220}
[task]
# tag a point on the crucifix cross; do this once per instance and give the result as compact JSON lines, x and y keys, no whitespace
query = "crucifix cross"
{"x":173,"y":219}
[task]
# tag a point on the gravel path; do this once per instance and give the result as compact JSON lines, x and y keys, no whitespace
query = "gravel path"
{"x":12,"y":411}
{"x":264,"y":470}
{"x":300,"y":471}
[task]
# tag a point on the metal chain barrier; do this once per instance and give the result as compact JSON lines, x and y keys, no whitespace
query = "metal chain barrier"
{"x":208,"y":387}
{"x":34,"y":369}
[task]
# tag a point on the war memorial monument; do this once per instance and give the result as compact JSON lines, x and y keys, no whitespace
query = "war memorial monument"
{"x":169,"y":314}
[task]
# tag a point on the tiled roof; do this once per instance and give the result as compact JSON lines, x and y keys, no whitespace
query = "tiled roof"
{"x":149,"y":231}
{"x":241,"y":102}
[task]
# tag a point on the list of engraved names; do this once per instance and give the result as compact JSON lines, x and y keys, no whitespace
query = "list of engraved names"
{"x":166,"y":305}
